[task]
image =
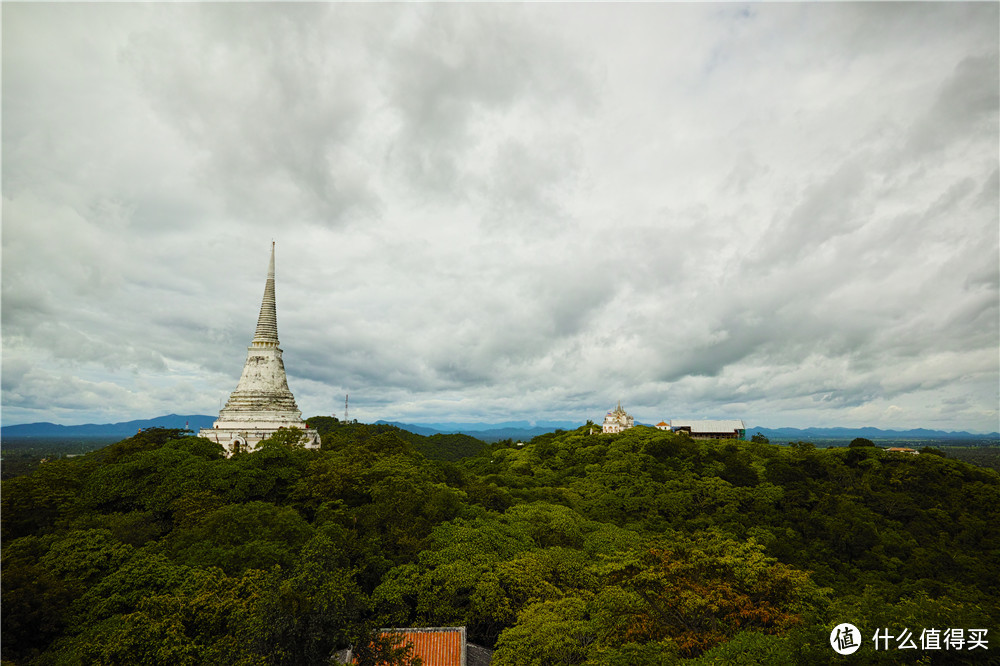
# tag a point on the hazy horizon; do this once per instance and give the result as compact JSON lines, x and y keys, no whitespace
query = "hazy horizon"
{"x":530,"y":423}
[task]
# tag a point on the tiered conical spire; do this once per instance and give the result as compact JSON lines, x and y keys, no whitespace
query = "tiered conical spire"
{"x":267,"y":322}
{"x":262,"y":402}
{"x":262,"y":394}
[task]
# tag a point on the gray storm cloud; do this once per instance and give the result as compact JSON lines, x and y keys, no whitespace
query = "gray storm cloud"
{"x":782,"y":213}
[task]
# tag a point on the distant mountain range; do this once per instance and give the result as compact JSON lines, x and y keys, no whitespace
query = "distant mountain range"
{"x":489,"y":432}
{"x":105,"y":430}
{"x":778,"y":435}
{"x":524,"y":430}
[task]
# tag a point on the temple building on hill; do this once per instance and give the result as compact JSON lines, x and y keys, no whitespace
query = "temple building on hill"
{"x":262,"y":402}
{"x":617,"y":420}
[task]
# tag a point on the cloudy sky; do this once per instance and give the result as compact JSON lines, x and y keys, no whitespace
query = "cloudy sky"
{"x":785,"y":213}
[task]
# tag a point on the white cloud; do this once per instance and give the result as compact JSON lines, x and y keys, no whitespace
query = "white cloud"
{"x":785,"y":213}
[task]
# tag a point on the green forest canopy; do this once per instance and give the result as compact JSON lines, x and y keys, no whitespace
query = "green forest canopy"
{"x":639,"y":548}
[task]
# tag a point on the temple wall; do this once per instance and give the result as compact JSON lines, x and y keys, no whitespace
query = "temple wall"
{"x":247,"y":438}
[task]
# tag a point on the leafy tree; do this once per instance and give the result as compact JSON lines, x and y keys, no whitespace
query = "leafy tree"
{"x":132,"y":527}
{"x":202,"y":617}
{"x":292,"y":438}
{"x":145,"y":440}
{"x":123,"y":590}
{"x":456,"y":579}
{"x":33,"y":504}
{"x":702,"y":592}
{"x":198,"y":446}
{"x":752,"y":647}
{"x":760,"y":439}
{"x":145,"y":480}
{"x":269,"y":474}
{"x":33,"y":610}
{"x":639,"y":548}
{"x":237,"y":537}
{"x":192,"y":507}
{"x":303,"y":618}
{"x":448,"y":447}
{"x":548,"y":633}
{"x":85,"y":556}
{"x":860,"y":442}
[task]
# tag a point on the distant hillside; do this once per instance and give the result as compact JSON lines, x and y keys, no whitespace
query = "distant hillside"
{"x":113,"y":431}
{"x":415,"y":429}
{"x":777,"y":435}
{"x":105,"y":430}
{"x":451,"y":447}
{"x":460,"y":426}
{"x":487,"y":432}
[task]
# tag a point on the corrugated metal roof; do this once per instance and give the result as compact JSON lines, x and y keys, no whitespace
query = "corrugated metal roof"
{"x":436,"y":646}
{"x":476,"y":655}
{"x":708,"y":426}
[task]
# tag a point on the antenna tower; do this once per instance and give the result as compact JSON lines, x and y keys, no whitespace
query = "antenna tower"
{"x":346,"y":395}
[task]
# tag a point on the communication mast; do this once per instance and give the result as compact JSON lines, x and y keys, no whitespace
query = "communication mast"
{"x":346,"y":395}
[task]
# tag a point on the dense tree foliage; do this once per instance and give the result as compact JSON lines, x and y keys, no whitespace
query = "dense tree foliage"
{"x":644,"y":547}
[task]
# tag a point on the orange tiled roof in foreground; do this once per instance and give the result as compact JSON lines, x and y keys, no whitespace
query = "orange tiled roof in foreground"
{"x":436,"y":646}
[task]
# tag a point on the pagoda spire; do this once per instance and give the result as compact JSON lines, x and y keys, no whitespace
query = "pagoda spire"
{"x":262,"y":403}
{"x":267,"y":323}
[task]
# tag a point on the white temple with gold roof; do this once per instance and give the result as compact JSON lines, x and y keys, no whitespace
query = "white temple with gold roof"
{"x":262,"y":402}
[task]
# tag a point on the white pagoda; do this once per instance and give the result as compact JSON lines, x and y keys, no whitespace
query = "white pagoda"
{"x":262,"y":402}
{"x":617,"y":420}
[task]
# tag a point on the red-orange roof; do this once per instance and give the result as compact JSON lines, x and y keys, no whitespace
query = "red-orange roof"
{"x":437,"y":646}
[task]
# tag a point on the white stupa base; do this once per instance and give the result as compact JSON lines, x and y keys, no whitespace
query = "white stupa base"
{"x":245,"y":438}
